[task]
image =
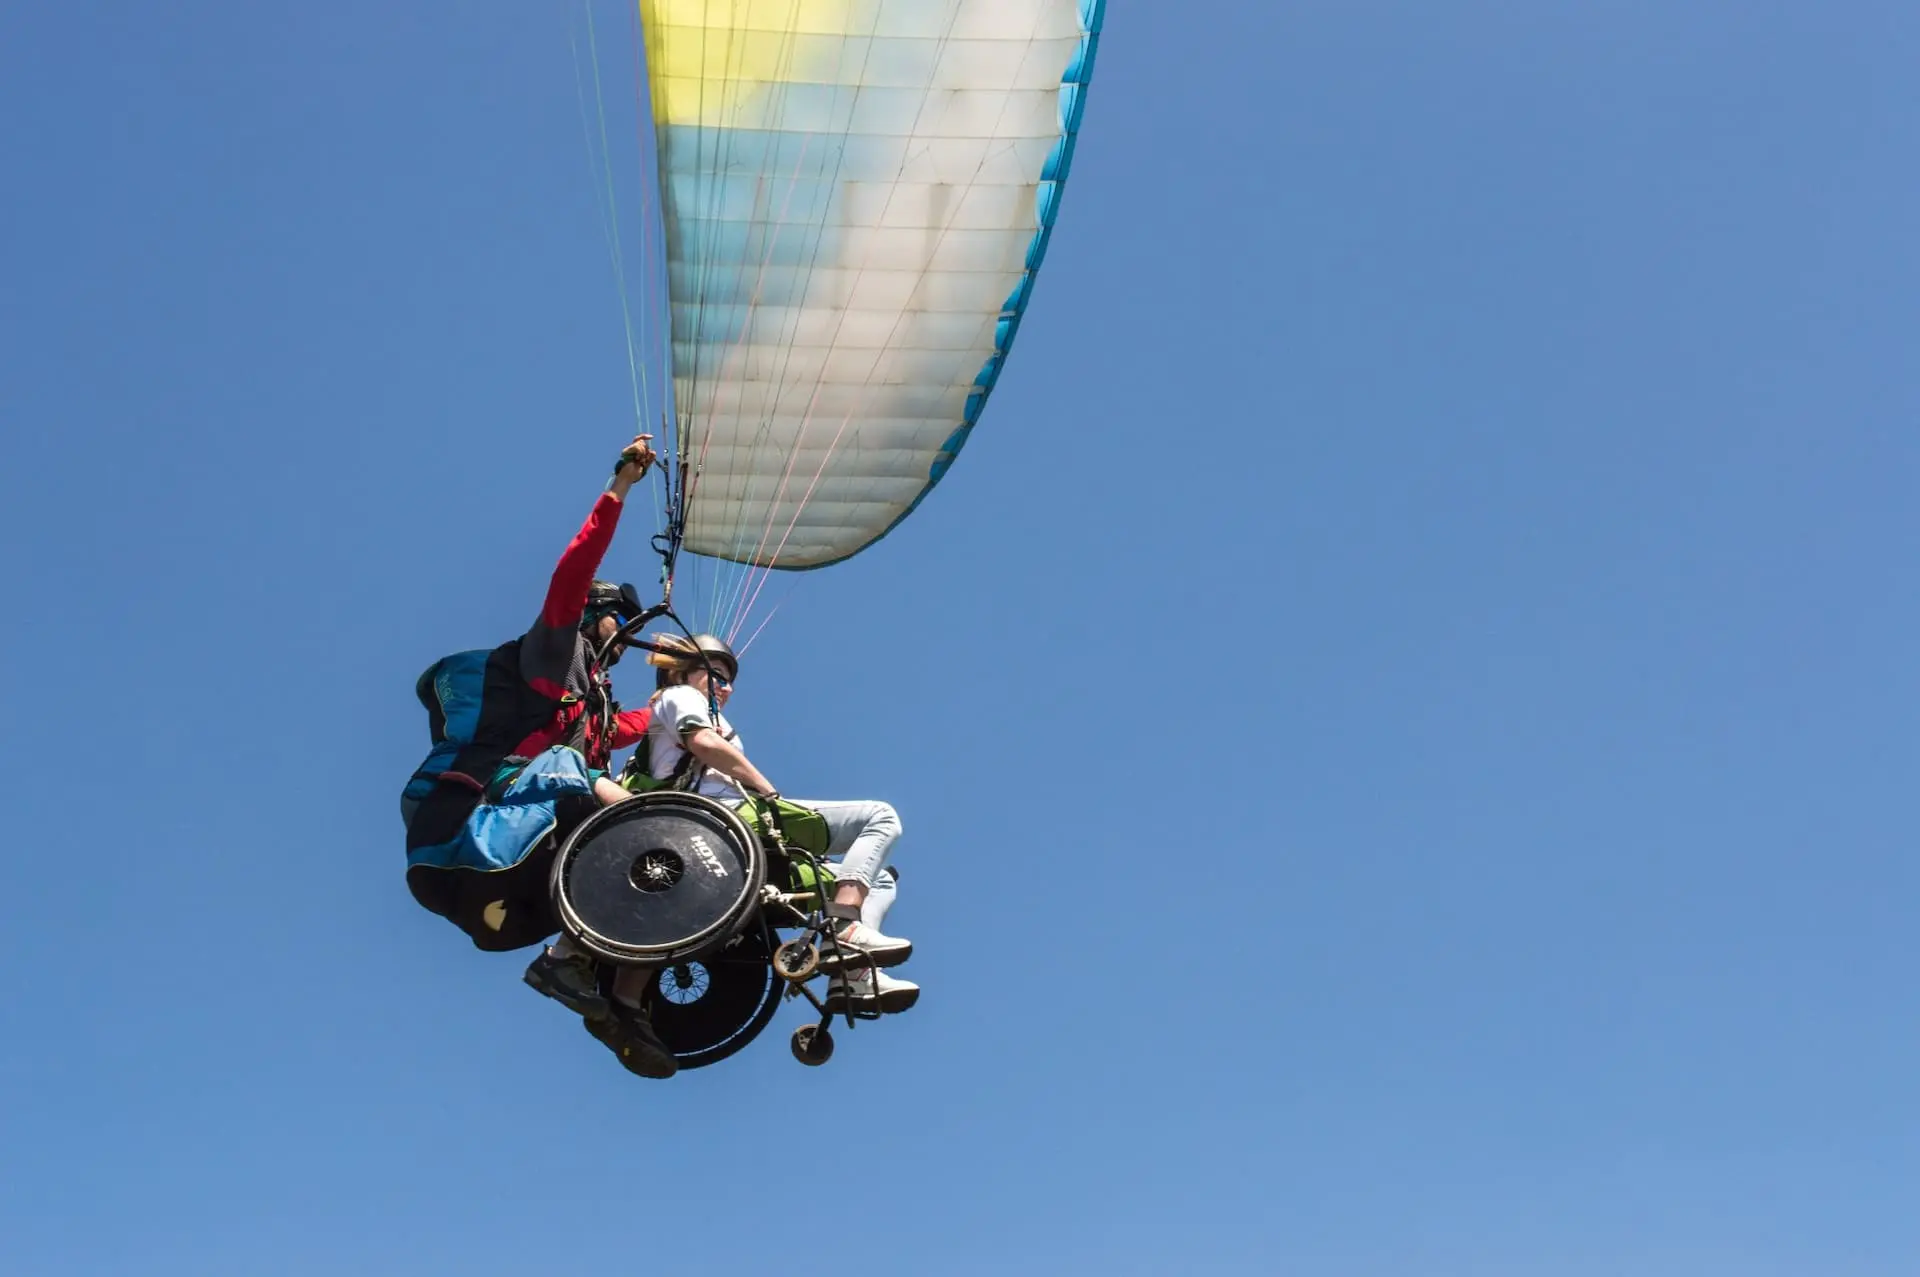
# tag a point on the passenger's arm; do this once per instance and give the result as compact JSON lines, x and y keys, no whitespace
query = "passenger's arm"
{"x":726,"y":758}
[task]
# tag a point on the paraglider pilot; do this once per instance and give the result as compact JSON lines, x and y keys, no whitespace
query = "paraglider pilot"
{"x":523,"y":735}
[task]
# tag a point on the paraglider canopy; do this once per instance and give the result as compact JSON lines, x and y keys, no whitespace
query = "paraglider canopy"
{"x":855,"y":195}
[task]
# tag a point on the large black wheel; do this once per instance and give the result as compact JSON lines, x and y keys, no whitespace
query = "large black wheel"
{"x":660,"y":879}
{"x":706,"y":1009}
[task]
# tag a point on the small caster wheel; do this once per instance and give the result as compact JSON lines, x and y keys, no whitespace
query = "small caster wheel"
{"x":812,"y":1045}
{"x":796,"y":960}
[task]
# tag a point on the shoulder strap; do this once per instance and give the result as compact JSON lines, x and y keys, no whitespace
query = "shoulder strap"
{"x":689,"y":772}
{"x":597,"y":708}
{"x":685,"y":777}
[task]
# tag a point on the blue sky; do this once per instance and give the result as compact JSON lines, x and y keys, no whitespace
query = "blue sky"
{"x":1403,"y":713}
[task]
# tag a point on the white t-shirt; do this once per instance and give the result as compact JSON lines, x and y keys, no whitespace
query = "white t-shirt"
{"x":676,"y":712}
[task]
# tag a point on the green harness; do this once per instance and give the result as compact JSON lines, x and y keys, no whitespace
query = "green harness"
{"x":804,"y":828}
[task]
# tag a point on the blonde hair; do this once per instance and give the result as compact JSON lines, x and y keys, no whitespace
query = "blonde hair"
{"x":678,"y":659}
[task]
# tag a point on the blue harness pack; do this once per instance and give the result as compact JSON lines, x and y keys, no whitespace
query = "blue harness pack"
{"x":508,"y":804}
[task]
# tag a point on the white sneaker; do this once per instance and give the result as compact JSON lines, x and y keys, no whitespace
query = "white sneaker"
{"x":874,"y":993}
{"x":862,"y":947}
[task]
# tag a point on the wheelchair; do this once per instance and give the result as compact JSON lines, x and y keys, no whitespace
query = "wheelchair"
{"x":686,"y":887}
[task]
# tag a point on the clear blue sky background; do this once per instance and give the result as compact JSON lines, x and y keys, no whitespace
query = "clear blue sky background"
{"x":1404,"y":713}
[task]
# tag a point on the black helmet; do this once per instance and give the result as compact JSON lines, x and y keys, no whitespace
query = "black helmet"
{"x":604,"y":598}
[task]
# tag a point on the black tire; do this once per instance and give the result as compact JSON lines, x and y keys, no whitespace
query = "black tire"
{"x":812,"y":1045}
{"x":735,"y":1003}
{"x":660,"y":879}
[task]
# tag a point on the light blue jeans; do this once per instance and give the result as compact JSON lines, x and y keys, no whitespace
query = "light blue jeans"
{"x":863,"y":833}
